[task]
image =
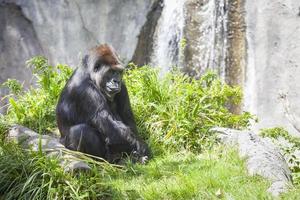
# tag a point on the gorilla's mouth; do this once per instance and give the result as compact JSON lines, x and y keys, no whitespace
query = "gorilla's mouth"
{"x":110,"y":92}
{"x":113,"y":88}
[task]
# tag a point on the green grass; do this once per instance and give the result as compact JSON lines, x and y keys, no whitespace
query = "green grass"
{"x":216,"y":174}
{"x":176,"y":111}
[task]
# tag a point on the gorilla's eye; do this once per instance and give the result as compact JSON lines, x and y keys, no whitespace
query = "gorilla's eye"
{"x":97,"y":67}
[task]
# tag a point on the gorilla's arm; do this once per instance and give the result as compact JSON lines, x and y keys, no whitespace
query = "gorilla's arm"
{"x":96,"y":112}
{"x":114,"y":130}
{"x":117,"y":133}
{"x":103,"y":119}
{"x":126,"y":114}
{"x":124,"y":108}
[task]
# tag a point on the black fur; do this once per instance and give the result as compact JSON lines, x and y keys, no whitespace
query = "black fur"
{"x":91,"y":122}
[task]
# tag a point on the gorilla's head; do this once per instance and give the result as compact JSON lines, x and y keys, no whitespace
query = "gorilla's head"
{"x":105,"y":69}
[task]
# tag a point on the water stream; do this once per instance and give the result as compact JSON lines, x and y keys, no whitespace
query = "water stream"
{"x":210,"y":44}
{"x":168,"y":34}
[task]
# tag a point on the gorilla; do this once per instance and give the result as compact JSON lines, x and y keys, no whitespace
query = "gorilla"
{"x":93,"y":112}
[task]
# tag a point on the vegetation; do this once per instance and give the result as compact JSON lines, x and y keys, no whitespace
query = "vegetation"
{"x":177,"y":111}
{"x":289,"y":146}
{"x":35,"y":108}
{"x":173,"y":112}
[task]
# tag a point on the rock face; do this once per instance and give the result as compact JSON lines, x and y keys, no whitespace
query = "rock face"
{"x":18,"y":42}
{"x":262,"y":157}
{"x":63,"y":30}
{"x":273,"y":61}
{"x":253,"y":44}
{"x":205,"y":31}
{"x":145,"y":46}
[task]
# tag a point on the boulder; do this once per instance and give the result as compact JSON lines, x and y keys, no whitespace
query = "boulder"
{"x":262,"y":157}
{"x":28,"y":139}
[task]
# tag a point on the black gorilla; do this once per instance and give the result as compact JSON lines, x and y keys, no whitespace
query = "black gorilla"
{"x":93,"y":112}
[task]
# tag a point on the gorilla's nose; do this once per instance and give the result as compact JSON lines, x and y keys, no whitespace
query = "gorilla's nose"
{"x":116,"y":81}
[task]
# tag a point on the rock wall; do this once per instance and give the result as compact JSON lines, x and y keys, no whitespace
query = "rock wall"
{"x":262,"y":157}
{"x":63,"y":30}
{"x":273,"y":61}
{"x":254,"y":44}
{"x":205,"y":31}
{"x":18,"y":43}
{"x":145,"y":46}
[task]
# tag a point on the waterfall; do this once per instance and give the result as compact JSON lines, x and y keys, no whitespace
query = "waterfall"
{"x":212,"y":43}
{"x":202,"y":25}
{"x":168,"y":34}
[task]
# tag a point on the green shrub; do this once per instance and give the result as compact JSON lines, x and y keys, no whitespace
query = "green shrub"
{"x":35,"y":108}
{"x":173,"y":111}
{"x":31,"y":175}
{"x":216,"y":174}
{"x":274,"y":132}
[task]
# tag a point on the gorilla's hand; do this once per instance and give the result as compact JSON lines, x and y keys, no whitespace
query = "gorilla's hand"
{"x":142,"y":149}
{"x":137,"y":158}
{"x":144,"y":159}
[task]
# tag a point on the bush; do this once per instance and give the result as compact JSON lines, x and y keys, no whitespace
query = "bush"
{"x":177,"y":111}
{"x":173,"y":111}
{"x":35,"y":108}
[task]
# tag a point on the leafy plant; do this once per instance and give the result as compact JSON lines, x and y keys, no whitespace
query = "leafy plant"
{"x":177,"y":111}
{"x":35,"y":108}
{"x":289,"y":146}
{"x":13,"y":85}
{"x":217,"y":173}
{"x":174,"y":112}
{"x":274,"y":132}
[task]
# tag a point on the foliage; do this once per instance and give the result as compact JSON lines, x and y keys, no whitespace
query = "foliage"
{"x":174,"y":112}
{"x":35,"y":108}
{"x":289,"y":146}
{"x":216,"y":174}
{"x":274,"y":132}
{"x":178,"y":111}
{"x":13,"y":85}
{"x":30,"y":175}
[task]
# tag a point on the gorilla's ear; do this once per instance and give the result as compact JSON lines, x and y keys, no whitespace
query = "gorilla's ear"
{"x":85,"y":60}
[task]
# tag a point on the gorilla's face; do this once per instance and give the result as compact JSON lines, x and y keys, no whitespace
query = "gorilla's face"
{"x":105,"y":70}
{"x":107,"y":79}
{"x":112,"y":82}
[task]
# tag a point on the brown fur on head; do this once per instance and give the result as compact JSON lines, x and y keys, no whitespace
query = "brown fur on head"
{"x":104,"y":68}
{"x":108,"y":56}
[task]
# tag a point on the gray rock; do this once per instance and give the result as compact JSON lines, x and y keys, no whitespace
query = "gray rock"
{"x":206,"y":35}
{"x":273,"y":61}
{"x":18,"y":43}
{"x":254,"y":44}
{"x":262,"y":157}
{"x":144,"y":48}
{"x":62,"y":30}
{"x":28,"y":139}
